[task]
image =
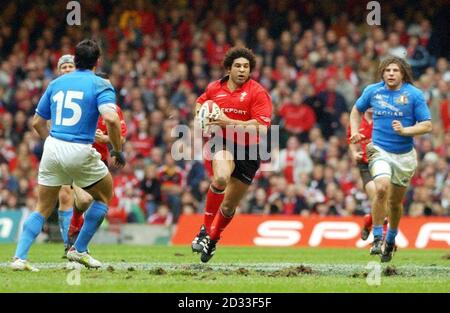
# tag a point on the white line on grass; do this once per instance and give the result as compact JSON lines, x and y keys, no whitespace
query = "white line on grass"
{"x":317,"y":268}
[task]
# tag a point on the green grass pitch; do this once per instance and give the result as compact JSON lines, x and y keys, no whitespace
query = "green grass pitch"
{"x":233,"y":269}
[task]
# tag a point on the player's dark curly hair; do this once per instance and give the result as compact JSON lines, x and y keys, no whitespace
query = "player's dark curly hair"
{"x":405,"y":68}
{"x":236,"y":53}
{"x":87,"y":53}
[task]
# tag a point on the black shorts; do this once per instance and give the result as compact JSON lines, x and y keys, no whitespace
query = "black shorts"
{"x":246,"y":162}
{"x":365,"y":173}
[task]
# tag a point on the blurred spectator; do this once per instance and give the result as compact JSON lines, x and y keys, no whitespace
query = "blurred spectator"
{"x":294,"y":161}
{"x":258,"y":203}
{"x":297,"y":117}
{"x":417,"y":56}
{"x":332,"y":104}
{"x":162,"y":216}
{"x":151,"y":188}
{"x":171,"y":177}
{"x":161,"y":58}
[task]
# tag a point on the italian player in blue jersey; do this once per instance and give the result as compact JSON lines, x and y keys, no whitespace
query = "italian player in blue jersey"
{"x":73,"y":103}
{"x":399,"y":113}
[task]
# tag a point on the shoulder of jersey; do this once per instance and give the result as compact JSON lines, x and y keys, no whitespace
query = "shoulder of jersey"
{"x":101,"y":82}
{"x":256,"y":85}
{"x":412,"y":88}
{"x":375,"y":86}
{"x":214,"y":85}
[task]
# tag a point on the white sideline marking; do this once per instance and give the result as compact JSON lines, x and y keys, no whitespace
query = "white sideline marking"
{"x":317,"y":268}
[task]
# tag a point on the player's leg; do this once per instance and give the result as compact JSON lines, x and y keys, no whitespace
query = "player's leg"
{"x":91,"y":174}
{"x":369,"y":187}
{"x":382,"y":184}
{"x":65,"y":211}
{"x":51,"y":177}
{"x":394,"y":215}
{"x":367,"y":227}
{"x":82,"y":202}
{"x":47,"y":197}
{"x":223,"y":167}
{"x":235,"y":191}
{"x":381,"y":172}
{"x":101,"y":192}
{"x":404,"y":167}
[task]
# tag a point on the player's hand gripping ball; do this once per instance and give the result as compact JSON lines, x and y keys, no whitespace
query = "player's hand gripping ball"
{"x":208,"y":111}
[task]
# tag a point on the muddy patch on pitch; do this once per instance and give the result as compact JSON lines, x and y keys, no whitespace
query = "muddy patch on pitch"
{"x":242,"y":271}
{"x":157,"y":271}
{"x":291,"y":271}
{"x":359,"y":275}
{"x":390,"y":271}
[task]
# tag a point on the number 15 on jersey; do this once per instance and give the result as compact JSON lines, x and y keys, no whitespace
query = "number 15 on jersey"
{"x":64,"y":102}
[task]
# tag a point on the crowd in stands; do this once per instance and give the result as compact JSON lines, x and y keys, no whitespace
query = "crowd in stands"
{"x":314,"y":59}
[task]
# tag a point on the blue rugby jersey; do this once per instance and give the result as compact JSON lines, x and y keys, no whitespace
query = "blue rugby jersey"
{"x":406,"y":105}
{"x":71,"y":102}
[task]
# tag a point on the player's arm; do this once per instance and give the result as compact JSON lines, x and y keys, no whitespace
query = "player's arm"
{"x":112,"y":121}
{"x":108,"y":109}
{"x":421,"y":114}
{"x":357,"y":113}
{"x":411,"y":131}
{"x":40,"y":125}
{"x":224,"y":121}
{"x":100,"y":137}
{"x":261,"y":111}
{"x":43,"y":114}
{"x":354,"y":149}
{"x":355,"y":122}
{"x":197,"y":108}
{"x":356,"y":152}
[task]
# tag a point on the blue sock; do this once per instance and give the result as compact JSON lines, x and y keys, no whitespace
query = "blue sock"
{"x":391,"y":234}
{"x":378,"y":231}
{"x":92,"y":220}
{"x":31,"y":229}
{"x":64,"y":218}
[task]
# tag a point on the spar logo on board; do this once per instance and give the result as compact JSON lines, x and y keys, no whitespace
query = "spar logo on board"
{"x":315,"y":231}
{"x":288,"y":233}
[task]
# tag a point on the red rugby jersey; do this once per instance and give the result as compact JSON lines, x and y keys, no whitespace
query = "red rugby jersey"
{"x":102,"y":148}
{"x":250,"y":101}
{"x":365,"y":128}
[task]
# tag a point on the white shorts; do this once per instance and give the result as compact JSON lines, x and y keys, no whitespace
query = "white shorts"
{"x":64,"y":163}
{"x":399,"y":168}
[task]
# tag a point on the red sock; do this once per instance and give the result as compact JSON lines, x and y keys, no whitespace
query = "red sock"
{"x":213,"y":202}
{"x":221,"y":223}
{"x":385,"y":226}
{"x":368,"y":221}
{"x":76,"y":222}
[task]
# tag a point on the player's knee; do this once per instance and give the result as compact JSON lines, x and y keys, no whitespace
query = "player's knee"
{"x":106,"y":196}
{"x":382,"y":191}
{"x":84,"y":202}
{"x":228,"y":209}
{"x":396,"y":207}
{"x":65,"y":198}
{"x":221,"y":181}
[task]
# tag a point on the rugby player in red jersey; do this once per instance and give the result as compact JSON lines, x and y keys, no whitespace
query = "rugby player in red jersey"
{"x":246,"y":106}
{"x":82,"y":198}
{"x":359,"y":154}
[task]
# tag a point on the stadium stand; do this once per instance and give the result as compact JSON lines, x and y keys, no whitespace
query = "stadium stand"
{"x":161,"y":55}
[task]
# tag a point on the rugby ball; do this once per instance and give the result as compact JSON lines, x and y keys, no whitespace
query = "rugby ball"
{"x":208,"y":111}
